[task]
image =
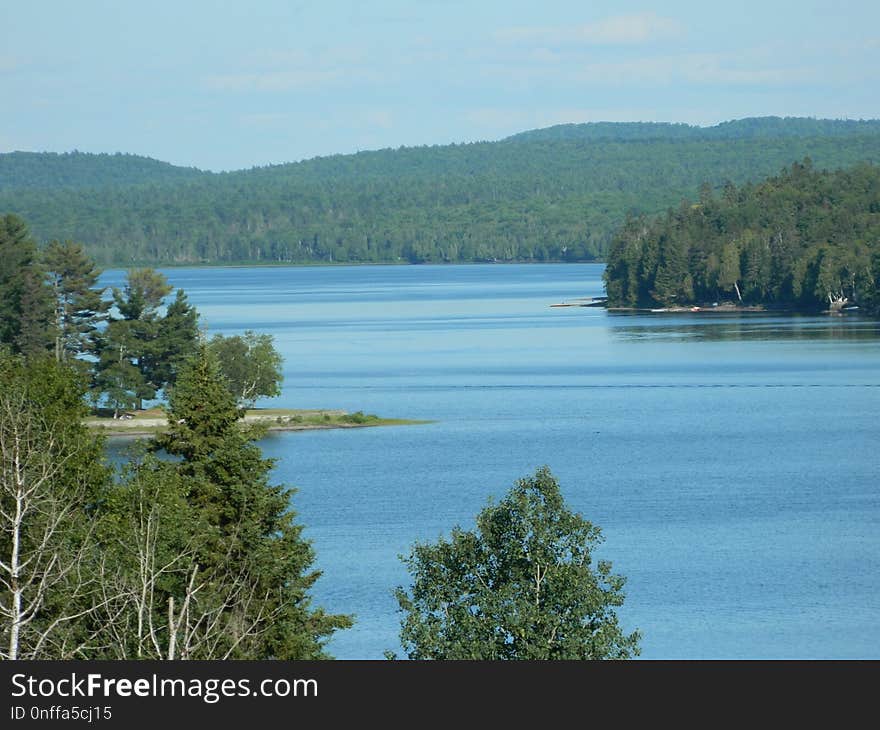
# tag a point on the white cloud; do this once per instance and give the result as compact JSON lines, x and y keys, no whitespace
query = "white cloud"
{"x":633,"y":29}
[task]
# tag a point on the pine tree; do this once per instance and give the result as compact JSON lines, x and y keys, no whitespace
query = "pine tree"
{"x":25,"y":299}
{"x":127,"y":347}
{"x":177,"y":339}
{"x":79,"y":307}
{"x":248,"y":523}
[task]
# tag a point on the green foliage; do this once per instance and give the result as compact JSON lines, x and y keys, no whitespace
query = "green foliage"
{"x":250,"y":364}
{"x":50,"y":170}
{"x":359,"y":418}
{"x":52,"y":482}
{"x":804,"y":238}
{"x":247,"y":522}
{"x":79,"y":307}
{"x":197,"y":558}
{"x":149,"y":537}
{"x":177,"y":339}
{"x":520,"y":586}
{"x":145,"y":289}
{"x":202,"y":413}
{"x":26,"y":309}
{"x":139,"y":352}
{"x":749,"y":128}
{"x":549,"y":195}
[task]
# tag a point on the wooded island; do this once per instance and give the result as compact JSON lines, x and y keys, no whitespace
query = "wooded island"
{"x":805,"y":239}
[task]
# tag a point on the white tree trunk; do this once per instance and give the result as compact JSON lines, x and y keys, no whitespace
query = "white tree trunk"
{"x":35,"y":512}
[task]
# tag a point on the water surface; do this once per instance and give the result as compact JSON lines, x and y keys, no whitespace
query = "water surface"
{"x":731,"y":460}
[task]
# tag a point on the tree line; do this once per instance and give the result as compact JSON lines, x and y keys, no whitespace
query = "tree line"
{"x":550,"y":195}
{"x":805,"y":238}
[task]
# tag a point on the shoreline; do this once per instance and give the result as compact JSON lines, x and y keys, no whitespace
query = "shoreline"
{"x":153,"y":421}
{"x":323,"y":264}
{"x":721,"y":308}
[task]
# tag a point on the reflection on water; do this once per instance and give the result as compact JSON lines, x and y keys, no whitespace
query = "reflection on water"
{"x":744,"y":327}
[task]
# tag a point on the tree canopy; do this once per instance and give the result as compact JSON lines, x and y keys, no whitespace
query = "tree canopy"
{"x":251,"y":365}
{"x":523,"y":585}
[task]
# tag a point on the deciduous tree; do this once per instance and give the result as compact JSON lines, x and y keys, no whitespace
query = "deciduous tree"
{"x":251,"y":365}
{"x":51,"y":481}
{"x":522,"y":585}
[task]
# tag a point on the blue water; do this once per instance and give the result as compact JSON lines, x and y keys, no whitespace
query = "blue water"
{"x":731,"y":460}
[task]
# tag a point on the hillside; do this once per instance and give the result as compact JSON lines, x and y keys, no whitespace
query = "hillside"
{"x":555,"y":194}
{"x":51,"y":171}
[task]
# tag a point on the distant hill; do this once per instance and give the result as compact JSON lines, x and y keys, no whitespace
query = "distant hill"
{"x":750,"y":128}
{"x":557,"y":194}
{"x":50,"y":170}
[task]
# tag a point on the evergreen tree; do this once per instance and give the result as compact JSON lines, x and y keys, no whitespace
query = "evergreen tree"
{"x":177,"y":339}
{"x":129,"y":345}
{"x":79,"y":307}
{"x":25,"y":299}
{"x":729,"y":270}
{"x":803,"y":238}
{"x":248,"y":525}
{"x":672,"y":284}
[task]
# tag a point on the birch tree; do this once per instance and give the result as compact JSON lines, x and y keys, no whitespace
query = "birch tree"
{"x":158,"y":600}
{"x":523,"y":585}
{"x":251,"y":365}
{"x":50,"y":475}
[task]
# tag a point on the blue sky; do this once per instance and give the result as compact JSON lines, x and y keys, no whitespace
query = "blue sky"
{"x":228,"y":85}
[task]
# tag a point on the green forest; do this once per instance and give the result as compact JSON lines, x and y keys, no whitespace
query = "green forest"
{"x":805,"y":239}
{"x":556,"y":194}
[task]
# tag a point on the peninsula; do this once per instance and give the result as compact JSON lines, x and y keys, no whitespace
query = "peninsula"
{"x":153,"y":420}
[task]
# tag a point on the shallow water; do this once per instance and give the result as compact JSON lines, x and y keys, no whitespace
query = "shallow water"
{"x":731,"y":460}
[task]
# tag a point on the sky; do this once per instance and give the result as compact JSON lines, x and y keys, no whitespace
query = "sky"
{"x":227,"y":84}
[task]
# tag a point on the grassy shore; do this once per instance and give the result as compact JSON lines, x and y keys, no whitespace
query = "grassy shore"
{"x":151,"y":421}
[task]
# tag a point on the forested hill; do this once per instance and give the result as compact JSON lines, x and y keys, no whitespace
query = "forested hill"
{"x":750,"y":128}
{"x":535,"y":197}
{"x":805,"y":238}
{"x":50,"y":170}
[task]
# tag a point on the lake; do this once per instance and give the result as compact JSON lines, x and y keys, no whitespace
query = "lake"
{"x":731,"y":460}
